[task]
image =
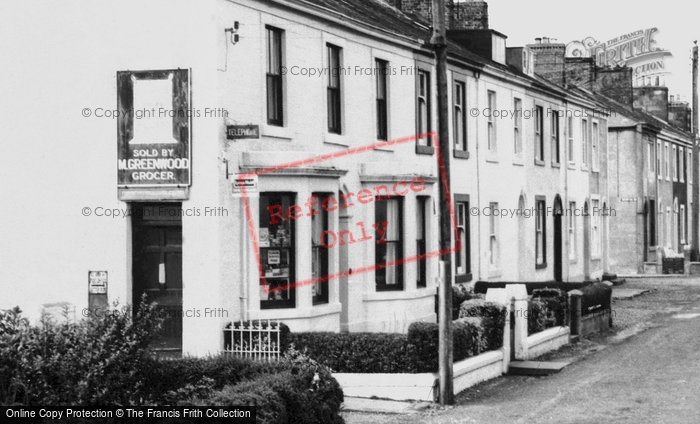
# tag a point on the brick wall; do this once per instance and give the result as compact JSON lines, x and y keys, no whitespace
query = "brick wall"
{"x":679,"y":115}
{"x":469,"y":14}
{"x":549,"y":61}
{"x":653,"y":100}
{"x":580,"y":72}
{"x":615,"y":83}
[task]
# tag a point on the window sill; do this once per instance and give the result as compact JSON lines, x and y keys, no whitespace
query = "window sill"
{"x":539,"y":162}
{"x":492,"y":157}
{"x":541,"y":266}
{"x":399,"y":295}
{"x":461,"y":154}
{"x":556,"y":165}
{"x":277,"y":132}
{"x":518,"y":162}
{"x":572,"y":166}
{"x":336,"y":139}
{"x":495,"y":273}
{"x":424,"y":150}
{"x":573,"y":261}
{"x":315,"y":311}
{"x":463,"y":278}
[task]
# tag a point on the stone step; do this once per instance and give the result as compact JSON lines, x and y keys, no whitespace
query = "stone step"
{"x":535,"y":367}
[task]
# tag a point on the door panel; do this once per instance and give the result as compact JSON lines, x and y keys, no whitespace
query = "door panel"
{"x":157,"y":270}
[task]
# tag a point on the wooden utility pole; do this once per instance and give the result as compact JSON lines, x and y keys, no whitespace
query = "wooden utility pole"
{"x":695,"y":252}
{"x":439,"y":42}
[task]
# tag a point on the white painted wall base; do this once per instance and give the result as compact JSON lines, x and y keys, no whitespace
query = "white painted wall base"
{"x":546,"y":341}
{"x":421,"y":386}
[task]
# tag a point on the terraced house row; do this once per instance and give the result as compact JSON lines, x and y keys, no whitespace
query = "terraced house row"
{"x":294,"y":171}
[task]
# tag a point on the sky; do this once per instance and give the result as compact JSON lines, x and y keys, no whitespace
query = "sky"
{"x":676,"y":21}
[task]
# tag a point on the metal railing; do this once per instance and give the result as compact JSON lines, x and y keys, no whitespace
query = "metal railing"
{"x":258,"y":340}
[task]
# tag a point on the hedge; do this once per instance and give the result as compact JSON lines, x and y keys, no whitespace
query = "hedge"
{"x":494,"y":319}
{"x":89,"y":362}
{"x":415,"y":352}
{"x":423,"y":337}
{"x":557,"y":302}
{"x":357,"y":352}
{"x":596,"y":297}
{"x":540,"y":317}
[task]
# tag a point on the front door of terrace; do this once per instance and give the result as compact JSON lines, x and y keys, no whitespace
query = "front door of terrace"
{"x":157,"y":266}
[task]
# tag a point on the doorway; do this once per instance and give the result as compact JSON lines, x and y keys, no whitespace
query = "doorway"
{"x":157,"y":266}
{"x":558,"y":262}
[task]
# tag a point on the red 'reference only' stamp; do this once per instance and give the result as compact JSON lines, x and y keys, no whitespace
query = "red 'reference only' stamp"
{"x":381,"y":232}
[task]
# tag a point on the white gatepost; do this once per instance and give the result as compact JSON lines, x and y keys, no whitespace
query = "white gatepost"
{"x":500,"y":296}
{"x":518,"y":293}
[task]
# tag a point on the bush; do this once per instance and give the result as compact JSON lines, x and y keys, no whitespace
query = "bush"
{"x":423,"y":338}
{"x":304,"y":392}
{"x":540,"y":317}
{"x":91,"y":362}
{"x":357,"y":352}
{"x":174,"y":381}
{"x":459,"y":295}
{"x":258,"y":333}
{"x":494,"y":319}
{"x":271,"y":408}
{"x":596,"y":297}
{"x":557,"y":302}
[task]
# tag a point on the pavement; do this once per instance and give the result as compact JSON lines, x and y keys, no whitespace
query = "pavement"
{"x":382,"y":406}
{"x":646,"y":370}
{"x":628,"y":293}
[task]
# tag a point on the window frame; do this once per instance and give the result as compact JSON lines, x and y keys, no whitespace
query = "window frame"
{"x":518,"y":127}
{"x":461,"y":147}
{"x":423,"y":109}
{"x":494,"y":237}
{"x":539,"y":135}
{"x":274,"y":79}
{"x":573,"y":248}
{"x":334,"y":89}
{"x":595,"y":145}
{"x":320,"y":250}
{"x":290,"y":302}
{"x":462,"y":218}
{"x":571,"y":140}
{"x":382,"y":98}
{"x":422,"y":203}
{"x":556,"y":144}
{"x":540,"y":227}
{"x":595,"y":222}
{"x":584,"y":144}
{"x":379,"y":247}
{"x":491,"y":135}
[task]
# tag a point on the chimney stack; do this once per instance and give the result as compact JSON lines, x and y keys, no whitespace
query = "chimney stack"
{"x":464,"y":14}
{"x":549,"y":60}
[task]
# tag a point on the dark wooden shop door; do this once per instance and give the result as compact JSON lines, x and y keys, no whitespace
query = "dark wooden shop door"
{"x":157,"y":266}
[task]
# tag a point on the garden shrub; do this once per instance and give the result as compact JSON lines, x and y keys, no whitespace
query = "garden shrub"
{"x":540,"y":317}
{"x":557,"y":302}
{"x":271,"y":408}
{"x":596,"y":297}
{"x":173,"y":381}
{"x":357,"y":352}
{"x":89,"y":362}
{"x":302,"y":392}
{"x":459,"y":295}
{"x":423,"y":337}
{"x":494,"y":319}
